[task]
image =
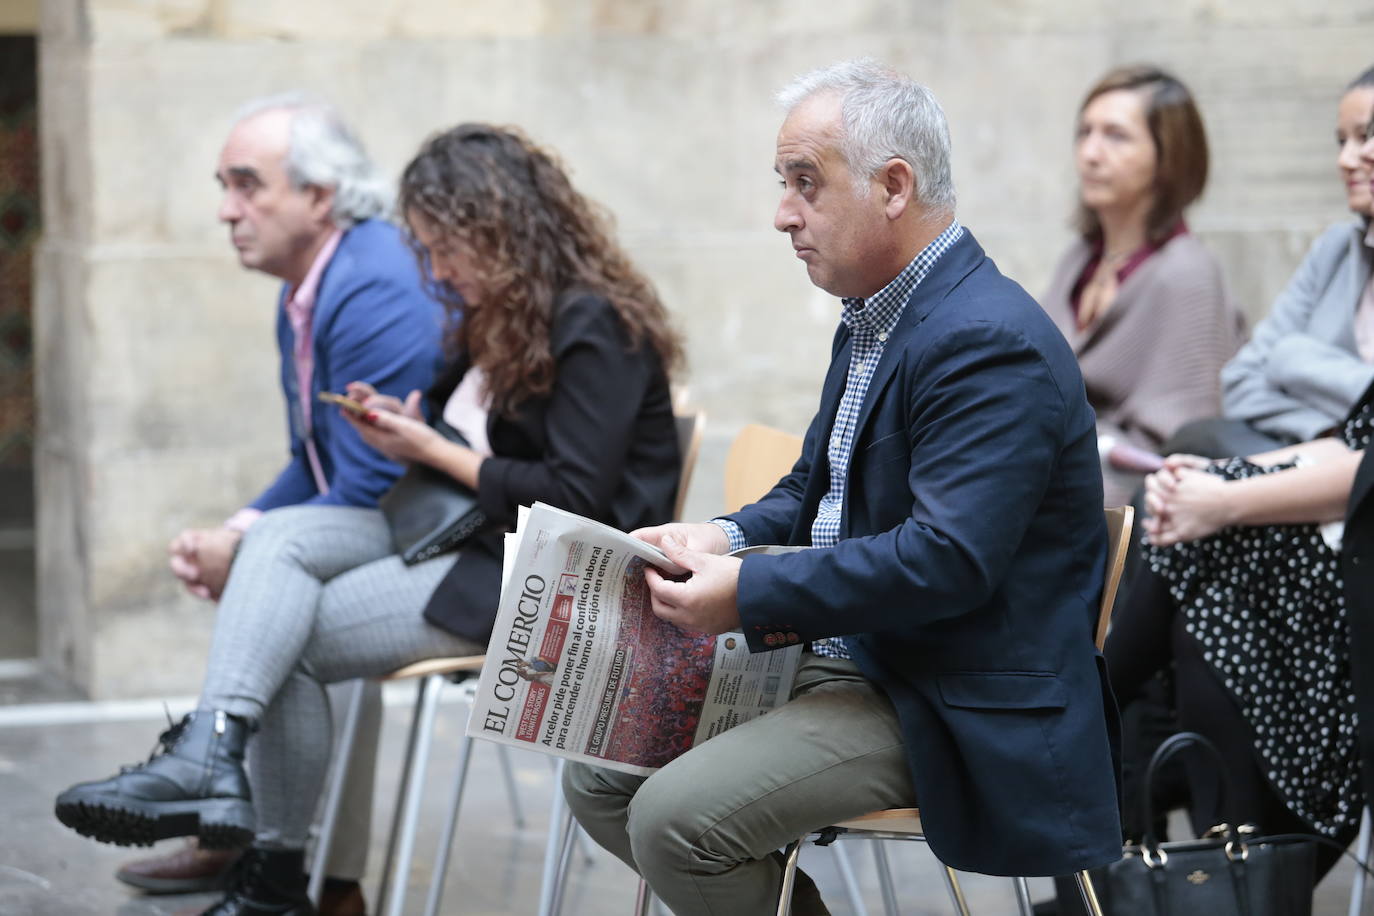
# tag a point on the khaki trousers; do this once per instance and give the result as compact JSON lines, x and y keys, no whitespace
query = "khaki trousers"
{"x":704,"y":830}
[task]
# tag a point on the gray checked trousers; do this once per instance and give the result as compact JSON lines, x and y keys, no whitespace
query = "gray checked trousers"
{"x":316,"y":597}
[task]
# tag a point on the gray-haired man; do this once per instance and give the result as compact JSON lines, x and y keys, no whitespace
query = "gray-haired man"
{"x":950,"y":490}
{"x":302,"y":202}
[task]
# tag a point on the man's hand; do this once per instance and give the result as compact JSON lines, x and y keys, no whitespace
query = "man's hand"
{"x":703,"y":537}
{"x":706,"y":601}
{"x":200,"y":558}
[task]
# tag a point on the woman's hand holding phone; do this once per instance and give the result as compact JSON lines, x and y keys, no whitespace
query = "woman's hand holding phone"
{"x":393,"y":427}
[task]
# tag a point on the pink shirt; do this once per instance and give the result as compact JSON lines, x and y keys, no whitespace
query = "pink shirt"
{"x":300,"y":310}
{"x":467,"y":409}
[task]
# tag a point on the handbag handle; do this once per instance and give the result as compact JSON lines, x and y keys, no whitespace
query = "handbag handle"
{"x":1167,"y":749}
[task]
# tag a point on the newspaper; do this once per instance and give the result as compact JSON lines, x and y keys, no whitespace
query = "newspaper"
{"x":579,"y":667}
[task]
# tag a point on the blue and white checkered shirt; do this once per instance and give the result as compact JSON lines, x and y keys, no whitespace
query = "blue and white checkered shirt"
{"x":870,"y":322}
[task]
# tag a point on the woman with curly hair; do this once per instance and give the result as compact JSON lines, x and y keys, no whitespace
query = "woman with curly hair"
{"x":557,"y":380}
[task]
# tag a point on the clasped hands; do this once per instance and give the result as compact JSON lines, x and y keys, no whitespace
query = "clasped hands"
{"x":200,"y":558}
{"x":704,"y":601}
{"x":1184,"y":502}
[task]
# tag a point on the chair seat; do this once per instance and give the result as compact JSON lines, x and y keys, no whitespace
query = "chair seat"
{"x":892,"y":820}
{"x":430,"y":666}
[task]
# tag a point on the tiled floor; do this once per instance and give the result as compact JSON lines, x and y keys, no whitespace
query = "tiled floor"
{"x":46,"y":870}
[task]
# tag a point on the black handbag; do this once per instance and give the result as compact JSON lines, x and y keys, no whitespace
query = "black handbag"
{"x":1228,"y":872}
{"x":428,"y":511}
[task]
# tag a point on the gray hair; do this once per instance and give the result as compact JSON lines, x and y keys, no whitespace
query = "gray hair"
{"x":885,"y":115}
{"x":323,"y":151}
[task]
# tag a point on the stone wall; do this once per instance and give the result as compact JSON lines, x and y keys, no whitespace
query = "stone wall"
{"x":155,"y":351}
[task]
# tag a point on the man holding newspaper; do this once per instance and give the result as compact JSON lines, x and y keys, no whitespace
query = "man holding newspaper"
{"x":949,"y":483}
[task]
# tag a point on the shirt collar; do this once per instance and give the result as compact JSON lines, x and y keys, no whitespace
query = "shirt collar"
{"x":879,"y":312}
{"x":302,"y":298}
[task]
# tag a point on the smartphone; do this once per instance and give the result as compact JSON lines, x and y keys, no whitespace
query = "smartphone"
{"x":343,"y":401}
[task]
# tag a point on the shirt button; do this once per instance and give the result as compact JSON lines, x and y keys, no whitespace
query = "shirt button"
{"x":883,"y":337}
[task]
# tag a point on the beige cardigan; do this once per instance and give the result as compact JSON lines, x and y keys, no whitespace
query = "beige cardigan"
{"x":1153,"y":361}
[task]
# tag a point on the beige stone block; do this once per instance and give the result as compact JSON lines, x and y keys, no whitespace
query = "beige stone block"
{"x":757,"y":333}
{"x":149,"y":20}
{"x":64,"y":22}
{"x":1259,"y":263}
{"x":61,"y":349}
{"x":183,"y":355}
{"x":1013,"y":150}
{"x":721,"y":17}
{"x":64,"y":141}
{"x":1208,"y":14}
{"x":153,"y":175}
{"x":139,"y":502}
{"x":482,"y":18}
{"x":66,"y":633}
{"x":153,"y":651}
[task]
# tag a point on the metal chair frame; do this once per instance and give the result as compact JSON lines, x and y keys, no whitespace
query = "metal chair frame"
{"x":432,"y":674}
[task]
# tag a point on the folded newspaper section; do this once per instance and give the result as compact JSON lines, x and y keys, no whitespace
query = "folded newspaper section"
{"x":579,"y":667}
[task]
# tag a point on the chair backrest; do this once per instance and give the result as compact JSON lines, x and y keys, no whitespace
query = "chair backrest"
{"x":759,"y":457}
{"x":1119,"y":523}
{"x":690,"y":429}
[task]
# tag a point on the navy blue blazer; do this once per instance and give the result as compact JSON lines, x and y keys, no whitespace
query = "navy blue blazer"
{"x":969,"y":572}
{"x":373,"y":322}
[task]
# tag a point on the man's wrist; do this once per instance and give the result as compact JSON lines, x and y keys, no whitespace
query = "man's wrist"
{"x":243,"y":519}
{"x":734,"y":534}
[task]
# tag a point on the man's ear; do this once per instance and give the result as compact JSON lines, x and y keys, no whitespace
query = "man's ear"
{"x":321,"y":201}
{"x":898,"y":182}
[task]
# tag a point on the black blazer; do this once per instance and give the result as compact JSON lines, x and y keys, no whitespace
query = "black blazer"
{"x":602,"y":444}
{"x":1357,"y":569}
{"x":968,"y":573}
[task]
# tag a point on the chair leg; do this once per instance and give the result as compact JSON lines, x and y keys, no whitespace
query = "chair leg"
{"x":436,"y":881}
{"x":643,"y":898}
{"x":567,"y":844}
{"x":559,"y":818}
{"x":508,"y":776}
{"x":401,"y":790}
{"x":1023,"y":899}
{"x":1085,"y":889}
{"x":1362,"y":856}
{"x":789,"y":877}
{"x":956,"y":893}
{"x":408,"y":806}
{"x":885,"y":879}
{"x":851,"y":884}
{"x":338,"y":776}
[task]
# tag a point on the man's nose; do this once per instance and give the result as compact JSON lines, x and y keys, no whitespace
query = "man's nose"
{"x":229,"y":211}
{"x":787,"y":216}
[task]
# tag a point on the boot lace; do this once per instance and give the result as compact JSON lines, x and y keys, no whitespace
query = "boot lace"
{"x":165,"y":741}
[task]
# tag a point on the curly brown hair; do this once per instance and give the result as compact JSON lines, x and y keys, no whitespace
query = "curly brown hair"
{"x":534,"y":236}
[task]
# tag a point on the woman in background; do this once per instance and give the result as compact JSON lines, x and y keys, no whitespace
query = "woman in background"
{"x":1141,"y":300}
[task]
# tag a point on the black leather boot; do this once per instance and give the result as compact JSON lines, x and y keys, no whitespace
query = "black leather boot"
{"x":192,"y":785}
{"x":266,"y":882}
